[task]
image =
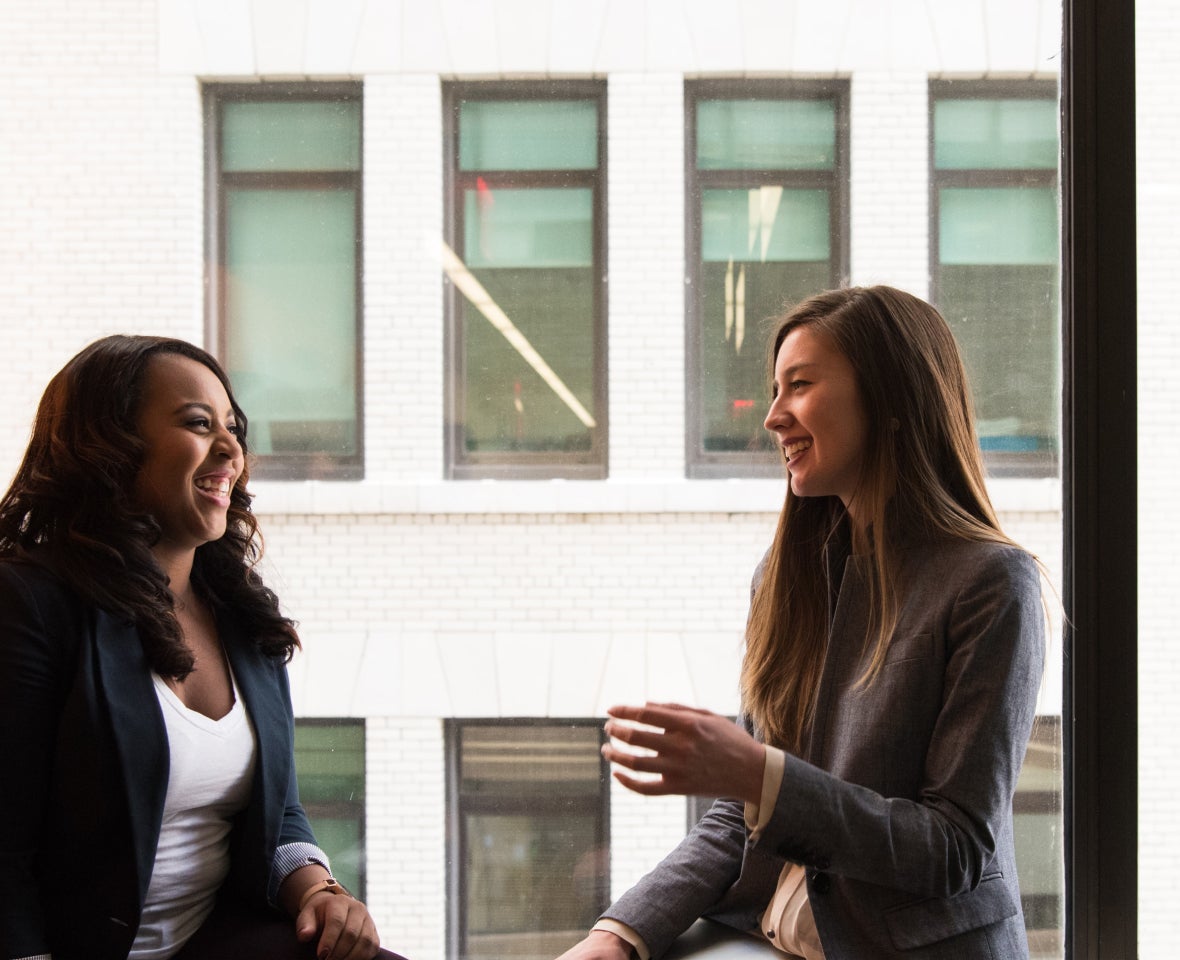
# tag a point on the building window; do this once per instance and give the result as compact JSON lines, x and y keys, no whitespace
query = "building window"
{"x":528,"y":838}
{"x":524,"y":268}
{"x":767,"y":186}
{"x":330,"y":765}
{"x":284,"y":240}
{"x":995,"y":259}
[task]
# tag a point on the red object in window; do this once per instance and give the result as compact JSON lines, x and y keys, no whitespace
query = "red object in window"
{"x":742,"y":404}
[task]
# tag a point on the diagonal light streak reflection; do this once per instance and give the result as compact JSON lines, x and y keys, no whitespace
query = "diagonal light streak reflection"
{"x":474,"y":291}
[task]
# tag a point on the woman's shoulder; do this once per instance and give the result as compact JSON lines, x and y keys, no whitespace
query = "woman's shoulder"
{"x":953,"y":562}
{"x":33,"y":574}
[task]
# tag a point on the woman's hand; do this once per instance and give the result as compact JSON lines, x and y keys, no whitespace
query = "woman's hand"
{"x":345,"y":929}
{"x":694,"y":752}
{"x":342,"y":924}
{"x":599,"y":945}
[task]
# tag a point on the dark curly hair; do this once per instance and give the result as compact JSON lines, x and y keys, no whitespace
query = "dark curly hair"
{"x":70,"y":507}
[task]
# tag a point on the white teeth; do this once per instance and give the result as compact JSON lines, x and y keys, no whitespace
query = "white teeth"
{"x":214,"y":486}
{"x":791,"y":449}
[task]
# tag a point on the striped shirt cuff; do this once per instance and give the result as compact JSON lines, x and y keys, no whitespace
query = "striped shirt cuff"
{"x":288,"y":858}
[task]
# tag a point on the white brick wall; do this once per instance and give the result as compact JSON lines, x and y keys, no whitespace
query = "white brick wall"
{"x":405,"y":831}
{"x":1158,"y":118}
{"x":646,"y":274}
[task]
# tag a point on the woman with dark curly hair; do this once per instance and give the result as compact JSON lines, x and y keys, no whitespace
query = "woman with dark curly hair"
{"x":149,"y":802}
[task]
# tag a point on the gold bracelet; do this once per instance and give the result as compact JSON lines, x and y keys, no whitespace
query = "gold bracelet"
{"x":330,"y":884}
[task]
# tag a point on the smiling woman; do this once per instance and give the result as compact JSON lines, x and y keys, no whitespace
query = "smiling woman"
{"x":894,"y":650}
{"x":143,"y":688}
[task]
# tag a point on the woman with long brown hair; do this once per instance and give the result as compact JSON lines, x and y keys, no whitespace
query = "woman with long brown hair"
{"x":149,"y":807}
{"x":894,"y":652}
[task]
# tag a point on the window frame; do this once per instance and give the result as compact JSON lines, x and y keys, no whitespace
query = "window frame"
{"x":998,"y":463}
{"x":456,"y":852}
{"x":522,"y":465}
{"x":215,"y":95}
{"x":1100,"y":454}
{"x":699,"y":463}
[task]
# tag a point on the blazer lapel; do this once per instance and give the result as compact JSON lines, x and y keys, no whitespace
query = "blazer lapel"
{"x":254,"y":673}
{"x":137,"y":727}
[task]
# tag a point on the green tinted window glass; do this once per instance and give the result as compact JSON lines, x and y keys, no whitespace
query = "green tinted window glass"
{"x":765,"y":224}
{"x":529,"y":228}
{"x":995,"y":134}
{"x":330,"y":765}
{"x":981,"y":225}
{"x":761,"y":248}
{"x":290,"y":262}
{"x":304,"y":135}
{"x":529,"y":321}
{"x":766,"y":134}
{"x":528,"y":135}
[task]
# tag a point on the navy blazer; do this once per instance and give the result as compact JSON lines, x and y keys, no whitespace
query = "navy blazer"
{"x":900,"y":804}
{"x":85,"y":760}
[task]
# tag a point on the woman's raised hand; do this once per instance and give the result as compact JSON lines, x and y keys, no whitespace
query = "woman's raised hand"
{"x":690,"y":751}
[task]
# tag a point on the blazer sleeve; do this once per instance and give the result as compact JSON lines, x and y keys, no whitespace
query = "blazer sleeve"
{"x":35,"y":651}
{"x":689,"y":881}
{"x":939,"y":842}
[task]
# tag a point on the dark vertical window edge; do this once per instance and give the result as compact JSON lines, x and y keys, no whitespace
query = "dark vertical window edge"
{"x":1100,"y":479}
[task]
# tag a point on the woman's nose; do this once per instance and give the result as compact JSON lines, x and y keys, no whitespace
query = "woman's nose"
{"x":777,"y":415}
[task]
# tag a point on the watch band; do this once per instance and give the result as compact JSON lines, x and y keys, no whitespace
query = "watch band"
{"x":329,"y":884}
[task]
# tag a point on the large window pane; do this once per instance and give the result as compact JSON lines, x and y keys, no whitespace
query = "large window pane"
{"x":330,"y":763}
{"x":290,"y":300}
{"x":995,"y":260}
{"x":524,"y":261}
{"x":767,"y":201}
{"x":286,"y":202}
{"x":530,"y":802}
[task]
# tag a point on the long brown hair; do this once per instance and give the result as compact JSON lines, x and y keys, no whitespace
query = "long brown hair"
{"x":69,"y":506}
{"x":922,"y":473}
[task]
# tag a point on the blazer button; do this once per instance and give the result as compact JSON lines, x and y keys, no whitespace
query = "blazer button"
{"x":821,"y":883}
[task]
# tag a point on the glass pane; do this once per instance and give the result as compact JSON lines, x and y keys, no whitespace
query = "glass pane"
{"x":528,"y":135}
{"x":528,"y":228}
{"x":529,"y":340}
{"x":990,"y":134}
{"x":762,"y":248}
{"x":534,"y":877}
{"x":305,"y":135}
{"x":291,"y":317}
{"x":765,"y":224}
{"x":502,"y":760}
{"x":532,"y":884}
{"x":766,"y":134}
{"x":1016,"y":225}
{"x":999,"y":291}
{"x":330,"y":760}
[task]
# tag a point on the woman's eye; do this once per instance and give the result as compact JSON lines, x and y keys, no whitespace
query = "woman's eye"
{"x":796,"y":384}
{"x":200,"y":422}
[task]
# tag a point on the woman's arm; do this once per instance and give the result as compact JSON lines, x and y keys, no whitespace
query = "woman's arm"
{"x":939,"y":838}
{"x":33,"y":658}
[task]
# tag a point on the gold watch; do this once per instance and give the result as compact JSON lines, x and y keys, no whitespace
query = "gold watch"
{"x":329,"y":884}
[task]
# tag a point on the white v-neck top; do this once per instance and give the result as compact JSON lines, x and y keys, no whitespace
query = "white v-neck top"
{"x":211,"y":768}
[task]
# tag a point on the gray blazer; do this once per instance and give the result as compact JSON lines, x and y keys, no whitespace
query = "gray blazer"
{"x":900,"y":807}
